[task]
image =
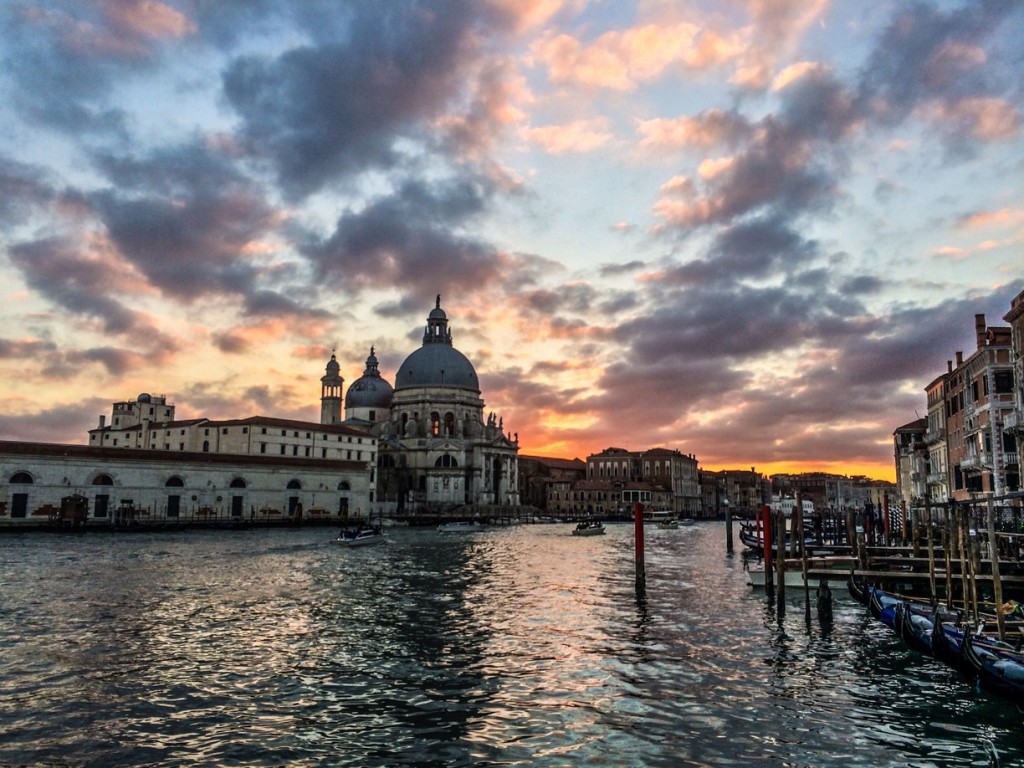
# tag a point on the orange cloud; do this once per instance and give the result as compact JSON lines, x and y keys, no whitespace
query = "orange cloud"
{"x":622,"y":60}
{"x":987,"y":119}
{"x":577,"y":136}
{"x":147,"y":18}
{"x":1004,"y":217}
{"x":710,"y":128}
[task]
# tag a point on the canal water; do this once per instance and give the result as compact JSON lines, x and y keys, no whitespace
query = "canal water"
{"x":523,"y":646}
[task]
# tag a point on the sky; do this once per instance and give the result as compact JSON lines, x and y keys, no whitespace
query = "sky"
{"x":749,"y":230}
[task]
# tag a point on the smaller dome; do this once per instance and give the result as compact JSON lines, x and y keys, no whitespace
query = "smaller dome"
{"x":370,"y":390}
{"x":332,"y":367}
{"x":145,"y":397}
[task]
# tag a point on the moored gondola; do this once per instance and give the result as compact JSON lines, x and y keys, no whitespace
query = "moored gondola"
{"x":999,"y":667}
{"x":914,"y":628}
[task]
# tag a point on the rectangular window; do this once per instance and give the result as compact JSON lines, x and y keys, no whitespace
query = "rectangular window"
{"x":263,"y":430}
{"x":282,"y":450}
{"x":263,"y":447}
{"x":1003,"y":382}
{"x":245,"y":430}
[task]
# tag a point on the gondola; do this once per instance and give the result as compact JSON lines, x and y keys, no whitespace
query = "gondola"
{"x":947,"y":642}
{"x":914,"y":628}
{"x":858,"y":592}
{"x":882,"y":607}
{"x":1000,"y":668}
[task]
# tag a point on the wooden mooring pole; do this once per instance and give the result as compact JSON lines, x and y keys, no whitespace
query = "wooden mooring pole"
{"x":993,"y":554}
{"x":638,"y":541}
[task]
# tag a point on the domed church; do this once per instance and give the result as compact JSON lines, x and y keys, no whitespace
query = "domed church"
{"x":436,"y":450}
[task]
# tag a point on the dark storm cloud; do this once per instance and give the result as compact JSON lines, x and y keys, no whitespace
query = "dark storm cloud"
{"x":321,"y":113}
{"x":411,"y":241}
{"x":20,"y":349}
{"x":184,"y":216}
{"x":930,"y":53}
{"x":62,"y":423}
{"x":753,"y":249}
{"x":78,"y":284}
{"x":23,"y":188}
{"x":272,"y":304}
{"x":64,"y":57}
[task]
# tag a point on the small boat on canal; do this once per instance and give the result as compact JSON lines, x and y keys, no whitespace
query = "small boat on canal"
{"x":589,"y":528}
{"x":461,"y":526}
{"x":363,"y":537}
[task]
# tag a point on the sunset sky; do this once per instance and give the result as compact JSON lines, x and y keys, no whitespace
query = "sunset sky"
{"x":752,"y":231}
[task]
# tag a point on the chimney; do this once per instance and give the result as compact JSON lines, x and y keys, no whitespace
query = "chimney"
{"x":959,"y":359}
{"x":979,"y":330}
{"x":949,"y":366}
{"x":103,"y":420}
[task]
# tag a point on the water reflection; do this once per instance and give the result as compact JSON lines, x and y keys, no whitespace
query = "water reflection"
{"x":524,"y":646}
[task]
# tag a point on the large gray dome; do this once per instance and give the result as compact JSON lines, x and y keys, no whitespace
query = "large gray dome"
{"x":437,"y":363}
{"x":370,"y":390}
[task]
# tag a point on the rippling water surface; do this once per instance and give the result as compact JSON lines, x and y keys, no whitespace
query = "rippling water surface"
{"x":522,"y":646}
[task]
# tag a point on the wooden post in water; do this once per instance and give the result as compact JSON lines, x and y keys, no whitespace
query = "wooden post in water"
{"x":764,"y":516}
{"x":965,"y":594}
{"x":947,"y":547}
{"x":780,"y":561}
{"x":728,"y":525}
{"x":638,"y":542}
{"x":997,"y":583}
{"x":931,"y":551}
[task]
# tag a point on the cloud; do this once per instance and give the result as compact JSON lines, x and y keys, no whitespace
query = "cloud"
{"x":186,"y":219}
{"x":715,"y":127}
{"x":322,"y":114}
{"x":577,"y":136}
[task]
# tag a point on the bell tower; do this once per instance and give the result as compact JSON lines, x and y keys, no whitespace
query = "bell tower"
{"x":330,"y":393}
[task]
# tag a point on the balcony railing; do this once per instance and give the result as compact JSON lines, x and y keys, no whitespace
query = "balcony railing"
{"x":1011,"y":458}
{"x":936,"y":478}
{"x":1012,"y":420}
{"x":981,"y":461}
{"x":934,"y":435}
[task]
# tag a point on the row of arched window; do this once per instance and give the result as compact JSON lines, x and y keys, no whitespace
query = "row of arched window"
{"x":24,"y":478}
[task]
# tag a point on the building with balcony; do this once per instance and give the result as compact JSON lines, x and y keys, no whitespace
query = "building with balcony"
{"x":979,"y":398}
{"x":661,"y":468}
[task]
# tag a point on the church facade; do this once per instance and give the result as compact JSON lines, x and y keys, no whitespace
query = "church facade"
{"x":437,"y":451}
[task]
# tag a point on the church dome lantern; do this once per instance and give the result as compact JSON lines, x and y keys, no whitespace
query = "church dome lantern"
{"x":437,"y":363}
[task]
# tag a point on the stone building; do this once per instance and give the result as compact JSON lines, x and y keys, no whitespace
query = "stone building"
{"x":127,"y":486}
{"x":438,"y":451}
{"x":661,"y":468}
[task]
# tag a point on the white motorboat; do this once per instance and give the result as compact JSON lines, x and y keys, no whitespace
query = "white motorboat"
{"x":363,"y":537}
{"x":588,"y":528}
{"x":461,"y":526}
{"x":670,"y":525}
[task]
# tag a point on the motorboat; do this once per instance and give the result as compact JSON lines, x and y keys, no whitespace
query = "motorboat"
{"x":589,"y":528}
{"x":669,"y":525}
{"x":362,"y":537}
{"x":461,"y":526}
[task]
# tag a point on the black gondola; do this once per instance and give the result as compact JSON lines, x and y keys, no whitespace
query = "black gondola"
{"x":1000,"y":668}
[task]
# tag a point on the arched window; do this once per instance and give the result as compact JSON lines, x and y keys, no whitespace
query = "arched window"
{"x":103,"y":480}
{"x":344,"y":486}
{"x":435,"y":423}
{"x":238,"y":483}
{"x":21,"y":477}
{"x":206,"y":446}
{"x":175,"y":482}
{"x":294,"y":485}
{"x":446,"y":461}
{"x":449,"y":423}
